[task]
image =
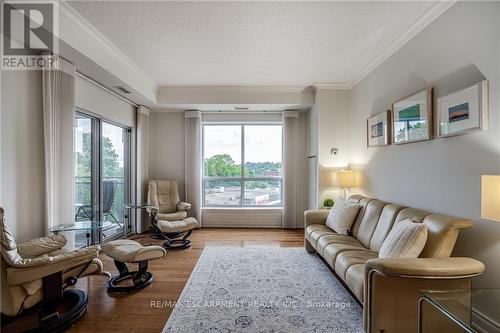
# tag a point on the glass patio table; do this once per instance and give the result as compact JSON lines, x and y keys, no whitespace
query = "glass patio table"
{"x":470,"y":309}
{"x":140,"y":205}
{"x":87,"y":226}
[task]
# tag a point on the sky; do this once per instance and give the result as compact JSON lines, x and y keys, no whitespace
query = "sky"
{"x":263,"y":143}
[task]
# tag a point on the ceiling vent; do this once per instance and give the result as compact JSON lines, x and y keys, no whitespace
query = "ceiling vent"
{"x":241,"y":108}
{"x":122,"y":89}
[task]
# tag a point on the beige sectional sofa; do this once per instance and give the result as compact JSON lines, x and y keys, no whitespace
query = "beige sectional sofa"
{"x":389,"y":288}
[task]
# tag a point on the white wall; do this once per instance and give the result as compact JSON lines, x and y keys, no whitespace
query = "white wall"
{"x":95,"y":99}
{"x":166,"y":151}
{"x":331,"y":113}
{"x":22,"y":160}
{"x":443,"y":175}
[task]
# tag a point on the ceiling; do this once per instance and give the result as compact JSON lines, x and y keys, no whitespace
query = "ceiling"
{"x":253,"y":43}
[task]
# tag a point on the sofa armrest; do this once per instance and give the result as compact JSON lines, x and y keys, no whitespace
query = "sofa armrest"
{"x":317,"y":216}
{"x":392,"y":289}
{"x":427,"y":268}
{"x":40,"y":246}
{"x":183,"y":206}
{"x":28,"y":270}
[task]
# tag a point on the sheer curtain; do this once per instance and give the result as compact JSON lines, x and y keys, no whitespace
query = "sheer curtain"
{"x":193,"y":161}
{"x":142,"y":166}
{"x":58,"y":117}
{"x":295,"y":168}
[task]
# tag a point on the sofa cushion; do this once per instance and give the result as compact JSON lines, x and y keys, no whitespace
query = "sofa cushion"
{"x":416,"y":215}
{"x":326,"y":240}
{"x":342,"y":216}
{"x":316,"y":227}
{"x":316,"y":231}
{"x":384,"y":225}
{"x":442,"y":234}
{"x":369,"y":221}
{"x":406,"y":240}
{"x":313,"y":228}
{"x":331,"y":251}
{"x":348,"y":258}
{"x":363,"y":203}
{"x":355,"y":280}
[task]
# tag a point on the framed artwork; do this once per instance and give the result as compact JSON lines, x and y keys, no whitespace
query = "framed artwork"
{"x":412,"y":118}
{"x":464,"y":111}
{"x":378,"y":129}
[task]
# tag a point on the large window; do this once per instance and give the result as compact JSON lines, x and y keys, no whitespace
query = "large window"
{"x":242,"y":165}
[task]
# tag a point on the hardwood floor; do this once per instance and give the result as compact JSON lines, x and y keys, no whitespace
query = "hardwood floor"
{"x":137,"y":312}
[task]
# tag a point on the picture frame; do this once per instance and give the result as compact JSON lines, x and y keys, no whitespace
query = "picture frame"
{"x":378,"y":130}
{"x":412,"y":118}
{"x":464,"y":111}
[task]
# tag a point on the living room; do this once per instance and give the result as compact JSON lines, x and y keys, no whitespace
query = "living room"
{"x":223,"y":166}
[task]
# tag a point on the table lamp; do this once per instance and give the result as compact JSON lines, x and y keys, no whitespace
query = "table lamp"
{"x":345,"y":180}
{"x":490,"y":198}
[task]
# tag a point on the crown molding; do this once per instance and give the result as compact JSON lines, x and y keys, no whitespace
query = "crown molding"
{"x":82,"y":23}
{"x":331,"y":85}
{"x":420,"y":24}
{"x":234,"y":89}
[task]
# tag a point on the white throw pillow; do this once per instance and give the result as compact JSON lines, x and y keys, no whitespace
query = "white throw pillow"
{"x":406,"y":240}
{"x":342,"y":216}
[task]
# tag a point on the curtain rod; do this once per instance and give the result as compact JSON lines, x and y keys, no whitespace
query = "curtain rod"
{"x":100,"y":85}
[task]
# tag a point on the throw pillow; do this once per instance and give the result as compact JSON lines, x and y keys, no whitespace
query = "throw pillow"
{"x":406,"y":240}
{"x":342,"y":216}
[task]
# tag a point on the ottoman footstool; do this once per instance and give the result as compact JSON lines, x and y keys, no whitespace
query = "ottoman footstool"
{"x":175,"y":233}
{"x":124,"y":251}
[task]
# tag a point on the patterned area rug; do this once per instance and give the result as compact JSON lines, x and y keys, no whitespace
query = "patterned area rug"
{"x":263,"y":290}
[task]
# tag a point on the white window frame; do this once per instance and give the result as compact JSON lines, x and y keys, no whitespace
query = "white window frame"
{"x":242,"y":177}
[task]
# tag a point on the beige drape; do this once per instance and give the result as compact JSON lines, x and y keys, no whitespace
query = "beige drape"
{"x":295,"y":168}
{"x":142,"y":167}
{"x":58,"y":117}
{"x":192,"y":142}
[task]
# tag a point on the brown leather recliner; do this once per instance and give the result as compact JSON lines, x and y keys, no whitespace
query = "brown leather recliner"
{"x":169,"y":215}
{"x":389,"y":289}
{"x":38,"y":271}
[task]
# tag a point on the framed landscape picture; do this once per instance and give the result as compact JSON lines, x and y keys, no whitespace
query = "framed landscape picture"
{"x":378,"y":129}
{"x":412,"y":118}
{"x":464,"y":111}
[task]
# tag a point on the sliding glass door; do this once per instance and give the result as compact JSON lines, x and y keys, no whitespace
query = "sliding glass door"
{"x":102,"y":178}
{"x":114,"y":177}
{"x":86,"y":199}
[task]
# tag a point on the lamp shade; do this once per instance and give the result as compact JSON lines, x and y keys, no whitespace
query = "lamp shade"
{"x":346,"y":179}
{"x":490,"y":198}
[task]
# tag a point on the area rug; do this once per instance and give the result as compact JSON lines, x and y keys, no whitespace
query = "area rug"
{"x":263,"y":290}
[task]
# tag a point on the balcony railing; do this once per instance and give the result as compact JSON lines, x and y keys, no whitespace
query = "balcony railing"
{"x":83,"y":192}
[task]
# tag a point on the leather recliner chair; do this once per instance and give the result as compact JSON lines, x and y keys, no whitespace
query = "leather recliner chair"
{"x":169,"y":215}
{"x":38,"y":271}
